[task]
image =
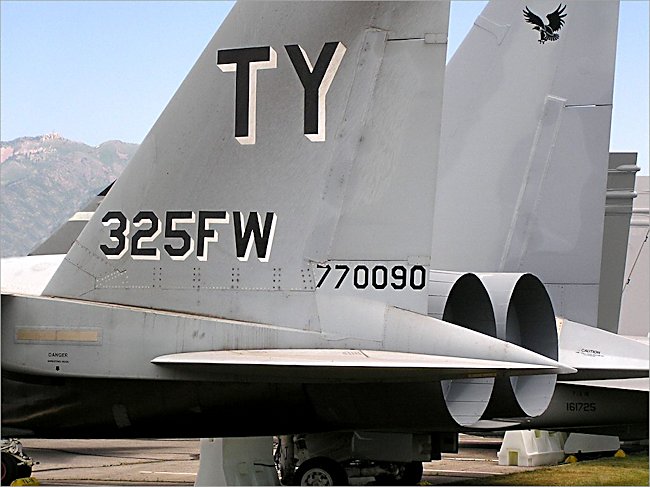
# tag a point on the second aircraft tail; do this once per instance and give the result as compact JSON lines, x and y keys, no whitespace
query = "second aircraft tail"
{"x":525,"y":147}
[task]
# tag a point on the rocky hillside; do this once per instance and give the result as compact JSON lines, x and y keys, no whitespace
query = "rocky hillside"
{"x":44,"y":180}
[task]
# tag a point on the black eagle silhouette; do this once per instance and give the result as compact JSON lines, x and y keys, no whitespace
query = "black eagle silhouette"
{"x":555,"y":23}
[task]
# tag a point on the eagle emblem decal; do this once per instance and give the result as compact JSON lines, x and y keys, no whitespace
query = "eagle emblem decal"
{"x":555,"y":23}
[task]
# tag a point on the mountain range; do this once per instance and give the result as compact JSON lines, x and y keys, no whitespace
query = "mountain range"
{"x":44,"y":180}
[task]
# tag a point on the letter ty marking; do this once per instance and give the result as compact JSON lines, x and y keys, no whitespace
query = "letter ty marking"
{"x":245,"y":62}
{"x":316,"y":82}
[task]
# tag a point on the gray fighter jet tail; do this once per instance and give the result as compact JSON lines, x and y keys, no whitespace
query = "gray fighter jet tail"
{"x":295,"y":156}
{"x":268,"y":249}
{"x":522,"y":177}
{"x":524,"y":147}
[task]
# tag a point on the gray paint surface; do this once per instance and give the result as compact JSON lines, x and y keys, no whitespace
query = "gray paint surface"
{"x":524,"y":146}
{"x":618,"y":212}
{"x":363,"y":194}
{"x":361,"y":199}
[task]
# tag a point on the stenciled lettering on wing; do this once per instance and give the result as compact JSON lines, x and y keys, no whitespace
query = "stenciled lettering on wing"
{"x":315,"y":80}
{"x":187,"y":232}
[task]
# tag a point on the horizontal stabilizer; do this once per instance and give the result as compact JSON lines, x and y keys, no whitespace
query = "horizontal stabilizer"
{"x":493,"y":424}
{"x":639,"y":384}
{"x":599,"y":354}
{"x":349,"y":365}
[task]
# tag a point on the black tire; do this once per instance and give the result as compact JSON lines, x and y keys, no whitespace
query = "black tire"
{"x":320,"y":471}
{"x":9,"y":468}
{"x":412,"y":474}
{"x":24,"y":471}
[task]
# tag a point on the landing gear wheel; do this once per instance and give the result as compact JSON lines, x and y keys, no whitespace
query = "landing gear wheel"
{"x":24,"y":471}
{"x":320,"y":471}
{"x":9,"y":469}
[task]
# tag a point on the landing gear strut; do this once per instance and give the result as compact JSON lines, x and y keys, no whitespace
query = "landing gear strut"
{"x":339,"y":457}
{"x":15,"y":464}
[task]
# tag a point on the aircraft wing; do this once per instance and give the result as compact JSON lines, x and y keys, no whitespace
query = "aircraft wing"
{"x":348,"y":365}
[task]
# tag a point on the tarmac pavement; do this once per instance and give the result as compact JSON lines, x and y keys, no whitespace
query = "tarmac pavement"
{"x":176,"y":462}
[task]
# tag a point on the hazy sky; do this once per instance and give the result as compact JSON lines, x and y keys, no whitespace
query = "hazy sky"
{"x":95,"y":71}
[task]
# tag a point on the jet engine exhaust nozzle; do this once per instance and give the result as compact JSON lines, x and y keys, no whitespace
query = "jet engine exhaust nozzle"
{"x":461,"y":299}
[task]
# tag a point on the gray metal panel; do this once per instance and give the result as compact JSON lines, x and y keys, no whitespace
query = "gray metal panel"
{"x":103,"y":340}
{"x":61,"y":240}
{"x":570,"y":299}
{"x":585,"y":347}
{"x":191,"y":161}
{"x":389,"y":191}
{"x":618,"y":212}
{"x":563,"y":223}
{"x":524,"y":148}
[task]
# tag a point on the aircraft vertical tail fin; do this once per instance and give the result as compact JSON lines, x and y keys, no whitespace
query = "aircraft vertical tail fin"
{"x":297,"y":156}
{"x":524,"y":147}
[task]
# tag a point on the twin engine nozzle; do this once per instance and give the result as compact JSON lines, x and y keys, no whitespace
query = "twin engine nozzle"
{"x":508,"y":306}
